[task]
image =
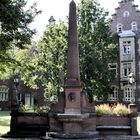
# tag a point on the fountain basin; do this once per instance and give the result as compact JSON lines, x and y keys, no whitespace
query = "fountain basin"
{"x":74,"y":136}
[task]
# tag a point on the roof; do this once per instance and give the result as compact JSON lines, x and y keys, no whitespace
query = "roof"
{"x":127,"y":33}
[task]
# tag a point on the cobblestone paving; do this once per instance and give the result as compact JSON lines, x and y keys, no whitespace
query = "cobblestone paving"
{"x":19,"y":139}
{"x":101,"y":138}
{"x":122,"y":138}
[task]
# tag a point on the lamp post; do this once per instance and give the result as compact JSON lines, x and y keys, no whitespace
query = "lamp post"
{"x":15,"y":100}
{"x":16,"y":83}
{"x":14,"y":103}
{"x":132,"y":82}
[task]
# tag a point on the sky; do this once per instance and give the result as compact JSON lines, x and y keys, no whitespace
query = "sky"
{"x":59,"y":10}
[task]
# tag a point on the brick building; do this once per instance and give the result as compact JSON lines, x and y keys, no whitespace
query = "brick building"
{"x":26,"y":95}
{"x":126,"y":22}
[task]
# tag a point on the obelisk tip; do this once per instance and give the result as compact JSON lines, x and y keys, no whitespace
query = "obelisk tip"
{"x":72,"y":1}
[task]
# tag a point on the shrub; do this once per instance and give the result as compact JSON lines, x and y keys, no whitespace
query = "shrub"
{"x":24,"y":108}
{"x":120,"y":110}
{"x":42,"y":109}
{"x":116,"y":109}
{"x":103,"y":109}
{"x":37,"y":108}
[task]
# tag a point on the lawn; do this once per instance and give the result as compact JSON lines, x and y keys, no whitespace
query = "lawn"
{"x":4,"y":122}
{"x":138,"y":123}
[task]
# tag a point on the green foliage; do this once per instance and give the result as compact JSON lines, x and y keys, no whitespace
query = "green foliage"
{"x":36,"y":108}
{"x":118,"y":109}
{"x":96,"y":49}
{"x":29,"y":65}
{"x":14,"y":23}
{"x":42,"y":109}
{"x":24,"y":108}
{"x":14,"y":32}
{"x":51,"y":61}
{"x":43,"y":63}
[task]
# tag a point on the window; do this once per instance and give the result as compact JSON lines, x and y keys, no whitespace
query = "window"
{"x":139,"y":67}
{"x":126,"y":69}
{"x":126,"y":47}
{"x":134,"y":26}
{"x":125,"y":14}
{"x":19,"y":96}
{"x":113,"y":68}
{"x":114,"y":95}
{"x":128,"y":94}
{"x":29,"y":99}
{"x":4,"y":93}
{"x":119,"y":27}
{"x":139,"y":46}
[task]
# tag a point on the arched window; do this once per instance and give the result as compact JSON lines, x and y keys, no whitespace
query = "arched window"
{"x":128,"y":94}
{"x":134,"y":26}
{"x":4,"y":93}
{"x":114,"y":95}
{"x":119,"y":27}
{"x":125,"y":14}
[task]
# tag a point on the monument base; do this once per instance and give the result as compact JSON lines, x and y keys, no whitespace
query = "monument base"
{"x":71,"y":136}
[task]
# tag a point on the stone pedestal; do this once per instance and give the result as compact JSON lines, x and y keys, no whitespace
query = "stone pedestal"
{"x":133,"y":110}
{"x":72,"y":100}
{"x":133,"y":113}
{"x":72,"y":124}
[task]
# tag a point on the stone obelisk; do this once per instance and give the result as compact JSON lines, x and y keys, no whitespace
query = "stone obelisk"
{"x":73,"y":75}
{"x":72,"y":117}
{"x":72,"y":84}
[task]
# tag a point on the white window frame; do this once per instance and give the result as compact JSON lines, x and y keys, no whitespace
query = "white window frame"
{"x":30,"y":98}
{"x":127,"y":68}
{"x":4,"y":93}
{"x":119,"y":27}
{"x":114,"y":95}
{"x":126,"y":14}
{"x":127,"y":47}
{"x":128,"y":94}
{"x":139,"y":67}
{"x":138,"y":46}
{"x":134,"y":26}
{"x":113,"y":67}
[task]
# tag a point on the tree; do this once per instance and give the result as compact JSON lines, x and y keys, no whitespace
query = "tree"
{"x":14,"y":29}
{"x":43,"y":63}
{"x":95,"y":49}
{"x":52,"y":59}
{"x":14,"y":23}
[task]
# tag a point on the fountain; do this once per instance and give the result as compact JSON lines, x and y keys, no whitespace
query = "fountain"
{"x":73,"y":117}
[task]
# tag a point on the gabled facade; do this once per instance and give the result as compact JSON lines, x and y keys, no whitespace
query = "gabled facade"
{"x":126,"y":22}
